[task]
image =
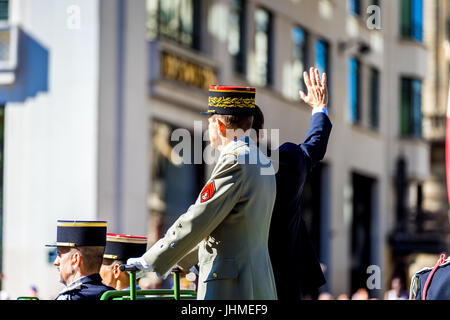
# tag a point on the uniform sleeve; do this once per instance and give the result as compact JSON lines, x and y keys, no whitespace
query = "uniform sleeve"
{"x":315,"y":145}
{"x":213,"y":205}
{"x":189,"y":260}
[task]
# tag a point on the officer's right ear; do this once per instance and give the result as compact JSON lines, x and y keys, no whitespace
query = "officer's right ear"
{"x":222,"y":127}
{"x":116,"y":270}
{"x":76,"y":258}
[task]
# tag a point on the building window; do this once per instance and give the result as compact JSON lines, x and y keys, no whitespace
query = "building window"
{"x":411,"y":19}
{"x":363,"y":229}
{"x":411,"y":108}
{"x":4,"y":10}
{"x":263,"y":47}
{"x":236,"y":38}
{"x":323,"y":62}
{"x":354,"y":86}
{"x":354,"y":7}
{"x":374,"y":98}
{"x":315,"y":215}
{"x":176,"y":20}
{"x":299,"y":60}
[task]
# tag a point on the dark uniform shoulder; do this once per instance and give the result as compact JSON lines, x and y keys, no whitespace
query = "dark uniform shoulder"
{"x":86,"y":288}
{"x":417,"y":283}
{"x":435,"y":281}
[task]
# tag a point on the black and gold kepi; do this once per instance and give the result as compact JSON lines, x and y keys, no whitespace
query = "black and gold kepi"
{"x":231,"y":100}
{"x":70,"y":233}
{"x":122,"y":247}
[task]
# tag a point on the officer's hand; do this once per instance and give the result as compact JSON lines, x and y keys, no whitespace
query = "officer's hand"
{"x":182,"y":270}
{"x":141,"y":265}
{"x":317,"y":89}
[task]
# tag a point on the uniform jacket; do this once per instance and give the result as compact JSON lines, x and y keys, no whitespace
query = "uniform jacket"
{"x":86,"y":288}
{"x":296,"y":267}
{"x":227,"y":229}
{"x":438,"y":287}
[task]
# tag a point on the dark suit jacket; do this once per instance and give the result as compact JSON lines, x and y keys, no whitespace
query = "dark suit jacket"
{"x":294,"y":261}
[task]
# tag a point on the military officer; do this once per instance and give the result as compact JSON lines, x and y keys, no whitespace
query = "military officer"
{"x":119,"y":248}
{"x":80,"y":246}
{"x":226,"y":230}
{"x":432,"y":283}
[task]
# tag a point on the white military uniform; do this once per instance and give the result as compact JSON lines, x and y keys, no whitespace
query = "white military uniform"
{"x":227,"y":229}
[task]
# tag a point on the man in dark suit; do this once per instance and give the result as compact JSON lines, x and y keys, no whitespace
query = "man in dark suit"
{"x":295,"y":265}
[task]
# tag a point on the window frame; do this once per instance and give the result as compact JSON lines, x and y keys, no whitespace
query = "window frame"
{"x":270,"y":41}
{"x":354,"y":106}
{"x":410,"y":121}
{"x":196,"y":25}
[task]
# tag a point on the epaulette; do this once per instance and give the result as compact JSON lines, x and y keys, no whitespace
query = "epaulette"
{"x":424,"y":270}
{"x":74,"y":286}
{"x":415,"y":282}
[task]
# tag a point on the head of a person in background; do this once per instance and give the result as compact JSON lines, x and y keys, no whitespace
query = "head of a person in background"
{"x":397,"y":285}
{"x":361,"y":294}
{"x":33,"y":291}
{"x":119,"y":248}
{"x":79,"y":247}
{"x":230,"y":110}
{"x":343,"y":296}
{"x":325,"y":296}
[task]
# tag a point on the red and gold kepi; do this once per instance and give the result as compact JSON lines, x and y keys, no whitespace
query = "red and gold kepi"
{"x":231,"y":100}
{"x":124,"y":246}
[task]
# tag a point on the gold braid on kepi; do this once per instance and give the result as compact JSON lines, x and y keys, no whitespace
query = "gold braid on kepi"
{"x":231,"y":100}
{"x":76,"y":233}
{"x":122,"y":246}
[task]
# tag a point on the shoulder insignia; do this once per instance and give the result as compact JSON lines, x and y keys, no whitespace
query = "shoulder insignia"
{"x":77,"y":285}
{"x":414,"y":286}
{"x":63,"y":297}
{"x":207,"y":192}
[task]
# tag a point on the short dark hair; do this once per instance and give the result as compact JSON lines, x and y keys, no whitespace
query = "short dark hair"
{"x":92,"y":257}
{"x":237,"y":122}
{"x":258,"y":119}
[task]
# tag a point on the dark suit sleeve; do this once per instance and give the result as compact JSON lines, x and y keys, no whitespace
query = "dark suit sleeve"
{"x":315,"y":145}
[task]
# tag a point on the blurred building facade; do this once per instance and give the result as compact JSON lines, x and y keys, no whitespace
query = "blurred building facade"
{"x":94,"y":140}
{"x":436,"y":93}
{"x":432,"y":220}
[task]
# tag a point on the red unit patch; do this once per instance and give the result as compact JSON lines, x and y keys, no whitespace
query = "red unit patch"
{"x":207,"y":192}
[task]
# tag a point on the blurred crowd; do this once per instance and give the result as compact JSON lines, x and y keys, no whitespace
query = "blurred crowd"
{"x":397,"y":291}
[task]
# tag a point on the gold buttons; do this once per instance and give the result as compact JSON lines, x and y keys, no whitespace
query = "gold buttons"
{"x":214,"y":275}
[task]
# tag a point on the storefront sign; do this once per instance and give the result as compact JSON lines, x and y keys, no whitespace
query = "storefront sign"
{"x":177,"y":68}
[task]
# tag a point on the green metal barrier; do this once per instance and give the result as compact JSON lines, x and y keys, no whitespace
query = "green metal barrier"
{"x":154,"y":294}
{"x":27,"y":298}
